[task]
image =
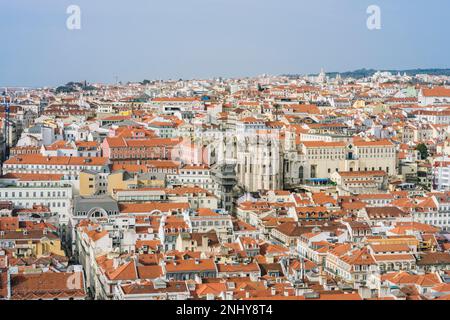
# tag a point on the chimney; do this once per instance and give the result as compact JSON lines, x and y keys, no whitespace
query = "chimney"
{"x":198,"y":279}
{"x":204,"y":241}
{"x":322,"y":279}
{"x":115,"y":263}
{"x":253,"y":277}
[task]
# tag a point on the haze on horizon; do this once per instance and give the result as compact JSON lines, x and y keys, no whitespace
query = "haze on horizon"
{"x":162,"y":39}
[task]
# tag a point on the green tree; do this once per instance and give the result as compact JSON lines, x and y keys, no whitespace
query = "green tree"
{"x":422,"y":148}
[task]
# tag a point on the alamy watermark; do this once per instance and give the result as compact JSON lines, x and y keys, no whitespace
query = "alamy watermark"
{"x":374,"y":19}
{"x":73,"y":22}
{"x":75,"y":281}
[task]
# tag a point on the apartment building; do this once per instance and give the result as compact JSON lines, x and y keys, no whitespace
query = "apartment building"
{"x":27,"y":190}
{"x":134,"y":151}
{"x":69,"y":167}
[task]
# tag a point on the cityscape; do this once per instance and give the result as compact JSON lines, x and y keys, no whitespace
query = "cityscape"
{"x":224,"y":158}
{"x":312,"y":187}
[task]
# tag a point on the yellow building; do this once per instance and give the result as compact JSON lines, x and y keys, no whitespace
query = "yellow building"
{"x":89,"y":183}
{"x":319,"y":159}
{"x":49,"y":246}
{"x":32,"y":243}
{"x":378,"y":108}
{"x":117,"y":181}
{"x":121,"y":180}
{"x":126,"y":113}
{"x":408,"y":240}
{"x":359,"y":104}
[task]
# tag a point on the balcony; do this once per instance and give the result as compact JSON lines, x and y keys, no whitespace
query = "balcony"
{"x":351,"y":157}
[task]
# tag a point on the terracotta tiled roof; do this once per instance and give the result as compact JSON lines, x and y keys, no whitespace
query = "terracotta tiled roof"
{"x":126,"y":271}
{"x":60,"y":160}
{"x":436,"y":92}
{"x":47,"y":285}
{"x":191,"y":265}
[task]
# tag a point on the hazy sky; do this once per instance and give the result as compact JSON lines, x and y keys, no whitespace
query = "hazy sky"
{"x":161,"y":39}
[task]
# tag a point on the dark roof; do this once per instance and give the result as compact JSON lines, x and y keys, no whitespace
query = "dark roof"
{"x":270,"y":267}
{"x":291,"y":229}
{"x":434,"y":258}
{"x":85,"y":204}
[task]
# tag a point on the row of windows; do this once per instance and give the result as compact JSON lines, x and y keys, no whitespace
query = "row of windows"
{"x":152,"y":155}
{"x":373,"y":169}
{"x":377,"y":150}
{"x":210,"y":223}
{"x":163,"y":170}
{"x":54,"y":204}
{"x":437,"y":222}
{"x":84,"y":213}
{"x":342,"y":157}
{"x":45,"y":166}
{"x":202,"y":201}
{"x":436,"y":215}
{"x":34,"y":194}
{"x":341,"y":151}
{"x":325,"y":151}
{"x":195,"y":172}
{"x":200,"y":181}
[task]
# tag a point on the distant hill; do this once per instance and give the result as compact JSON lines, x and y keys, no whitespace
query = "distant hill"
{"x":363,"y":73}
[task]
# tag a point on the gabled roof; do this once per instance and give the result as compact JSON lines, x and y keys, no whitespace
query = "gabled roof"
{"x":436,"y":92}
{"x":47,"y":285}
{"x":191,"y":265}
{"x":404,"y":278}
{"x":126,"y":271}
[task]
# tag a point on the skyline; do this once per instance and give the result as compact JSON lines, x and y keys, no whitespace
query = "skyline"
{"x":204,"y":39}
{"x":329,"y":74}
